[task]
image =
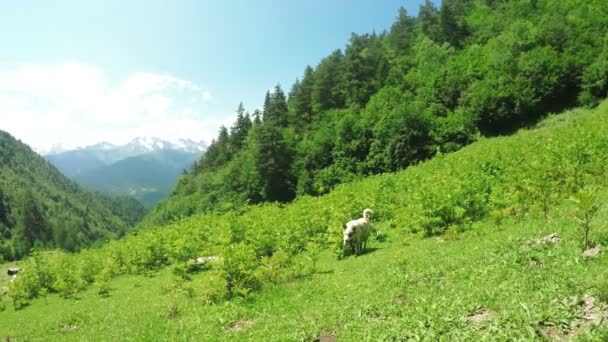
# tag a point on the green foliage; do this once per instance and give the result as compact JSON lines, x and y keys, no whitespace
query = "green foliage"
{"x":67,"y":281}
{"x":273,"y":163}
{"x":237,"y":270}
{"x":35,"y":279}
{"x":327,"y":90}
{"x":274,"y":269}
{"x":587,"y":207}
{"x":430,"y":84}
{"x":41,"y":208}
{"x":102,"y":281}
{"x":595,"y":81}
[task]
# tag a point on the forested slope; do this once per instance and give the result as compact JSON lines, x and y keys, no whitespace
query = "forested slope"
{"x":431,"y":84}
{"x":39,"y":207}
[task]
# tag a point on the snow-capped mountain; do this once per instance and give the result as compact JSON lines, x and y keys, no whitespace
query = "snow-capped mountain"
{"x":54,"y":149}
{"x":190,"y":145}
{"x":76,"y":161}
{"x":103,"y":146}
{"x":150,"y":144}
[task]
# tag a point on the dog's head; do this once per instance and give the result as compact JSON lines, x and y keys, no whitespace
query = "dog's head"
{"x":367,"y":213}
{"x":349,"y":232}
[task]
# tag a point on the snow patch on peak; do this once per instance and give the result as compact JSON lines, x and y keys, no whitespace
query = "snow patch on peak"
{"x":151,"y":144}
{"x":104,"y":145}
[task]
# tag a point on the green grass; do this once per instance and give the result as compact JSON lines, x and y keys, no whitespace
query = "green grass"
{"x":404,"y":288}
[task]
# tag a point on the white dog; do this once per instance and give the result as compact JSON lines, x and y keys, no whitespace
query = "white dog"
{"x":356,"y":233}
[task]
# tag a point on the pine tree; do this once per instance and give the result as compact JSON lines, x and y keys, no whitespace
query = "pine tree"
{"x":301,"y":102}
{"x":292,"y":115}
{"x":453,"y":30}
{"x":266,"y":108}
{"x":428,"y":19}
{"x":257,"y":117}
{"x":275,"y":108}
{"x":327,"y":90}
{"x":402,"y":35}
{"x":218,"y":153}
{"x":273,"y":163}
{"x":365,"y":68}
{"x":240,"y":129}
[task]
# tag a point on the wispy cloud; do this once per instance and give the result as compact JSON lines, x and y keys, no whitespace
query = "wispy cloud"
{"x":75,"y":104}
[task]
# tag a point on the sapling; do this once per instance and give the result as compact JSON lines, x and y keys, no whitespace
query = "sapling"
{"x":313,"y":255}
{"x":586,"y":208}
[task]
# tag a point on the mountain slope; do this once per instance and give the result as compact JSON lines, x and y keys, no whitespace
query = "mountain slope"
{"x":41,"y":207}
{"x":147,"y":178}
{"x":431,"y":84}
{"x":479,"y":276}
{"x":72,"y":163}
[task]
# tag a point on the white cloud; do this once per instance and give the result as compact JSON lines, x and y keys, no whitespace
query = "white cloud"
{"x":74,"y":104}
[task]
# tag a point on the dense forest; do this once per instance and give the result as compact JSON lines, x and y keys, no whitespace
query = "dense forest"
{"x":39,"y":207}
{"x":431,"y":84}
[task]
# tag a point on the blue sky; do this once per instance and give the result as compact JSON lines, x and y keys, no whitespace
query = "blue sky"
{"x":87,"y":71}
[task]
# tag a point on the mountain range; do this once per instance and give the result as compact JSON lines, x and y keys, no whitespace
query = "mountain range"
{"x":79,"y":160}
{"x":145,"y":168}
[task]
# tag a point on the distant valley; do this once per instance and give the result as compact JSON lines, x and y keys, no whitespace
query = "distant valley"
{"x":145,"y":168}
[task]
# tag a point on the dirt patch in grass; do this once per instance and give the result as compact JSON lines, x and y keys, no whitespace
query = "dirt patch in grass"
{"x":481,"y":315}
{"x":68,"y":326}
{"x":591,"y":313}
{"x":551,"y":332}
{"x":327,"y":336}
{"x":591,"y":310}
{"x":547,"y":240}
{"x":592,"y":252}
{"x":240,"y":325}
{"x":400,"y":299}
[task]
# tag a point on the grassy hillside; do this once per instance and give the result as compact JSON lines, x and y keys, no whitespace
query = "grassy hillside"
{"x":453,"y":258}
{"x":148,"y":178}
{"x":427,"y":289}
{"x":39,"y":207}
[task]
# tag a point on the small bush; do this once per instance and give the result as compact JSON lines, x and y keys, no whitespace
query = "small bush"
{"x":586,"y":208}
{"x":238,"y":268}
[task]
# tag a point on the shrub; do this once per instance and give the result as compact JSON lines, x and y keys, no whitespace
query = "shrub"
{"x":237,"y":269}
{"x":67,"y":281}
{"x":274,"y":269}
{"x":586,"y":208}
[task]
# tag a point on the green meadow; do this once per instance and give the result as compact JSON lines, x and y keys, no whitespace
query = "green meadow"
{"x":453,"y":256}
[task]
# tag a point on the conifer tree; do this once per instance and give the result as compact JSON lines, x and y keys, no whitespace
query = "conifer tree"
{"x":302,"y":98}
{"x":327,"y":90}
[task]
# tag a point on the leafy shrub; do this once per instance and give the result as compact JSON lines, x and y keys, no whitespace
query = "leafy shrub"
{"x":586,"y":208}
{"x":274,"y":269}
{"x":67,"y":280}
{"x":237,"y":270}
